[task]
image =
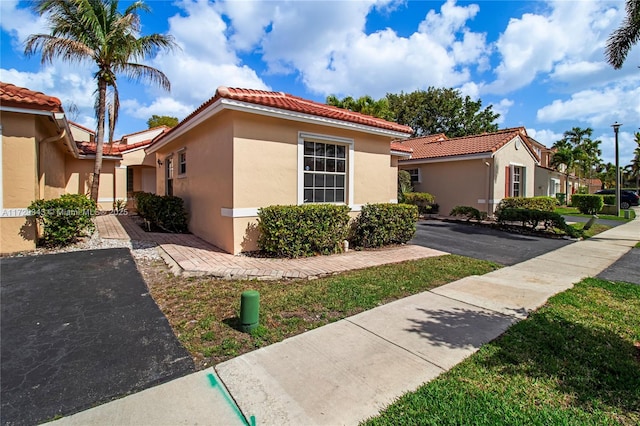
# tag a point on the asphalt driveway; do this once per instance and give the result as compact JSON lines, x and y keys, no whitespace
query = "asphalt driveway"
{"x":480,"y":242}
{"x":79,"y":329}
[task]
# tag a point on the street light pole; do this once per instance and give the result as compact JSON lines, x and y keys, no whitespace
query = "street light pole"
{"x":616,"y":127}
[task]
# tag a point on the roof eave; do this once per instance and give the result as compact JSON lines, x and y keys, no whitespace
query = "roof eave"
{"x":401,"y":153}
{"x":248,"y":107}
{"x":462,"y":157}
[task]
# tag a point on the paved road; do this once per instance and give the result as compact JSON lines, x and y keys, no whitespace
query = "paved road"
{"x":79,"y":329}
{"x":584,"y":219}
{"x":627,"y":268}
{"x":480,"y":242}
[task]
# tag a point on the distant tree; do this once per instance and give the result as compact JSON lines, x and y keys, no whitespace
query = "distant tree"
{"x":364,"y":105}
{"x":162,"y":120}
{"x":442,"y":111}
{"x":564,"y":160}
{"x":607,"y":174}
{"x":622,"y":40}
{"x":586,"y":151}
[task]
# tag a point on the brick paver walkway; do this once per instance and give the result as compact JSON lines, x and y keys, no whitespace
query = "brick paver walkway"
{"x":190,"y":255}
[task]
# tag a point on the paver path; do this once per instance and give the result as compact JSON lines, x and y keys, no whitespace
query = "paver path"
{"x":190,"y":255}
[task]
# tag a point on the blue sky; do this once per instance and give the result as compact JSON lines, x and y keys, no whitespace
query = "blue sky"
{"x":539,"y":63}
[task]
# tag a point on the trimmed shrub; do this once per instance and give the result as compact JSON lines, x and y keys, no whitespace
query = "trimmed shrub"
{"x":531,"y":203}
{"x":468,"y":212}
{"x":64,"y":219}
{"x":384,"y":224}
{"x":587,"y":203}
{"x":301,"y":231}
{"x":423,"y":200}
{"x":609,"y":199}
{"x":165,"y":212}
{"x":404,"y":185}
{"x":532,"y":218}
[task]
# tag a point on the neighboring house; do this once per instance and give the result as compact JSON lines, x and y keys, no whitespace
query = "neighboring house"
{"x":548,"y":180}
{"x":477,"y":171}
{"x":247,"y":149}
{"x":40,"y":159}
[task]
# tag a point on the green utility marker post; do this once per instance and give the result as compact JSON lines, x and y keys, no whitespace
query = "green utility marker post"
{"x":249,"y":310}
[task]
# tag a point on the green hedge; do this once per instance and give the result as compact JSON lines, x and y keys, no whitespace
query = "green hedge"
{"x":532,"y":218}
{"x":166,"y":212}
{"x":423,"y":200}
{"x":299,"y":231}
{"x":587,"y":203}
{"x":64,"y":219}
{"x":468,"y":212}
{"x":609,"y":199}
{"x":532,"y":203}
{"x":384,"y":224}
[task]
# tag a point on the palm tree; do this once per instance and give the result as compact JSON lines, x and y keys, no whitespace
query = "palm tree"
{"x":621,"y":40}
{"x":634,"y":166}
{"x":586,"y":152}
{"x":563,"y":160}
{"x":95,"y":30}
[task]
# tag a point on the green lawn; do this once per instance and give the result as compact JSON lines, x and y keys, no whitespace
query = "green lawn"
{"x":575,"y":361}
{"x":204,"y":311}
{"x":572,"y":211}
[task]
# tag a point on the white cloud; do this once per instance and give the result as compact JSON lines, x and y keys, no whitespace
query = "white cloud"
{"x":565,"y":42}
{"x":502,"y":108}
{"x":545,"y":136}
{"x":597,"y":107}
{"x":20,"y":22}
{"x":160,"y":106}
{"x":326,"y":43}
{"x":205,"y":61}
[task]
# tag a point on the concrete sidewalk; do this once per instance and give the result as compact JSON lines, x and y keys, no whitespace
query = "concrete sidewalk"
{"x":349,"y":370}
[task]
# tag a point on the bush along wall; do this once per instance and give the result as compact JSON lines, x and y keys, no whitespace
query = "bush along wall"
{"x":532,"y":218}
{"x":468,"y":212}
{"x":423,"y":200}
{"x":63,"y":220}
{"x":587,"y":203}
{"x":384,"y":224}
{"x":165,"y":212}
{"x":302,"y":231}
{"x":532,"y":203}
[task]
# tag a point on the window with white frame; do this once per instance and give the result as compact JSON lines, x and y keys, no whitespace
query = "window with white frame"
{"x":415,"y":175}
{"x":168,"y":161}
{"x":516,"y":181}
{"x":325,"y":171}
{"x":182,"y":162}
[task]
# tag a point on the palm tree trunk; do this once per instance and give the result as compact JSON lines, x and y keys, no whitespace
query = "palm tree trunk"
{"x":102,"y":98}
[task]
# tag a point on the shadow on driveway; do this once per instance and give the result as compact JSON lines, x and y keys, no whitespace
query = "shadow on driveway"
{"x":79,"y":329}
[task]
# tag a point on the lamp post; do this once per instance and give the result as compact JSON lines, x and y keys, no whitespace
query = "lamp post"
{"x":616,"y":127}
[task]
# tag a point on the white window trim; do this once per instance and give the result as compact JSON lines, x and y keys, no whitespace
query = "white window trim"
{"x":180,"y":152}
{"x":350,"y":163}
{"x":522,"y":182}
{"x":419,"y":173}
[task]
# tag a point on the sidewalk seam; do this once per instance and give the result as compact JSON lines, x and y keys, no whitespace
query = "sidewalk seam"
{"x":397,"y":345}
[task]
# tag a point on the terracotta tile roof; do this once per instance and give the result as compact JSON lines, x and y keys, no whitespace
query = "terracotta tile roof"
{"x":113,"y":150}
{"x":20,"y":97}
{"x":284,"y":101}
{"x":397,"y":146}
{"x":438,"y":146}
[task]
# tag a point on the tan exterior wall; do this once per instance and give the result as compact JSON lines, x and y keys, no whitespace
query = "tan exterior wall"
{"x":506,"y":156}
{"x":78,"y":180}
{"x":18,"y":234}
{"x":238,"y":162}
{"x":455,"y":183}
{"x":208,"y":184}
{"x":51,"y":164}
{"x":393,"y":182}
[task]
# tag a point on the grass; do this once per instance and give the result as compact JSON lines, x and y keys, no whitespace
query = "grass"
{"x":572,"y":211}
{"x":596,"y":228}
{"x":575,"y":361}
{"x":204,"y":311}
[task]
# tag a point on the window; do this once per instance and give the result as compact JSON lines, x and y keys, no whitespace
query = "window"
{"x":129,"y":180}
{"x":182,"y":162}
{"x":415,"y":175}
{"x":325,"y":172}
{"x":516,"y":183}
{"x":169,"y":174}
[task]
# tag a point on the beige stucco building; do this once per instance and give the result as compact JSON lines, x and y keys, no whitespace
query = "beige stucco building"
{"x":43,"y":155}
{"x":477,"y":171}
{"x":247,"y":149}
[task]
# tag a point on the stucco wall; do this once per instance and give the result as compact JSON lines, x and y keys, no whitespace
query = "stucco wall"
{"x":238,"y":162}
{"x":51,"y":163}
{"x":509,"y":155}
{"x":78,"y":179}
{"x":207,"y":186}
{"x":455,"y":183}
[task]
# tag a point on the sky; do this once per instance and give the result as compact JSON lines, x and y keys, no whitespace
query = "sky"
{"x":540,"y":64}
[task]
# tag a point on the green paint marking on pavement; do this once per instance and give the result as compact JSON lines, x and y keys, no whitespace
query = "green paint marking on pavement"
{"x":230,"y":402}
